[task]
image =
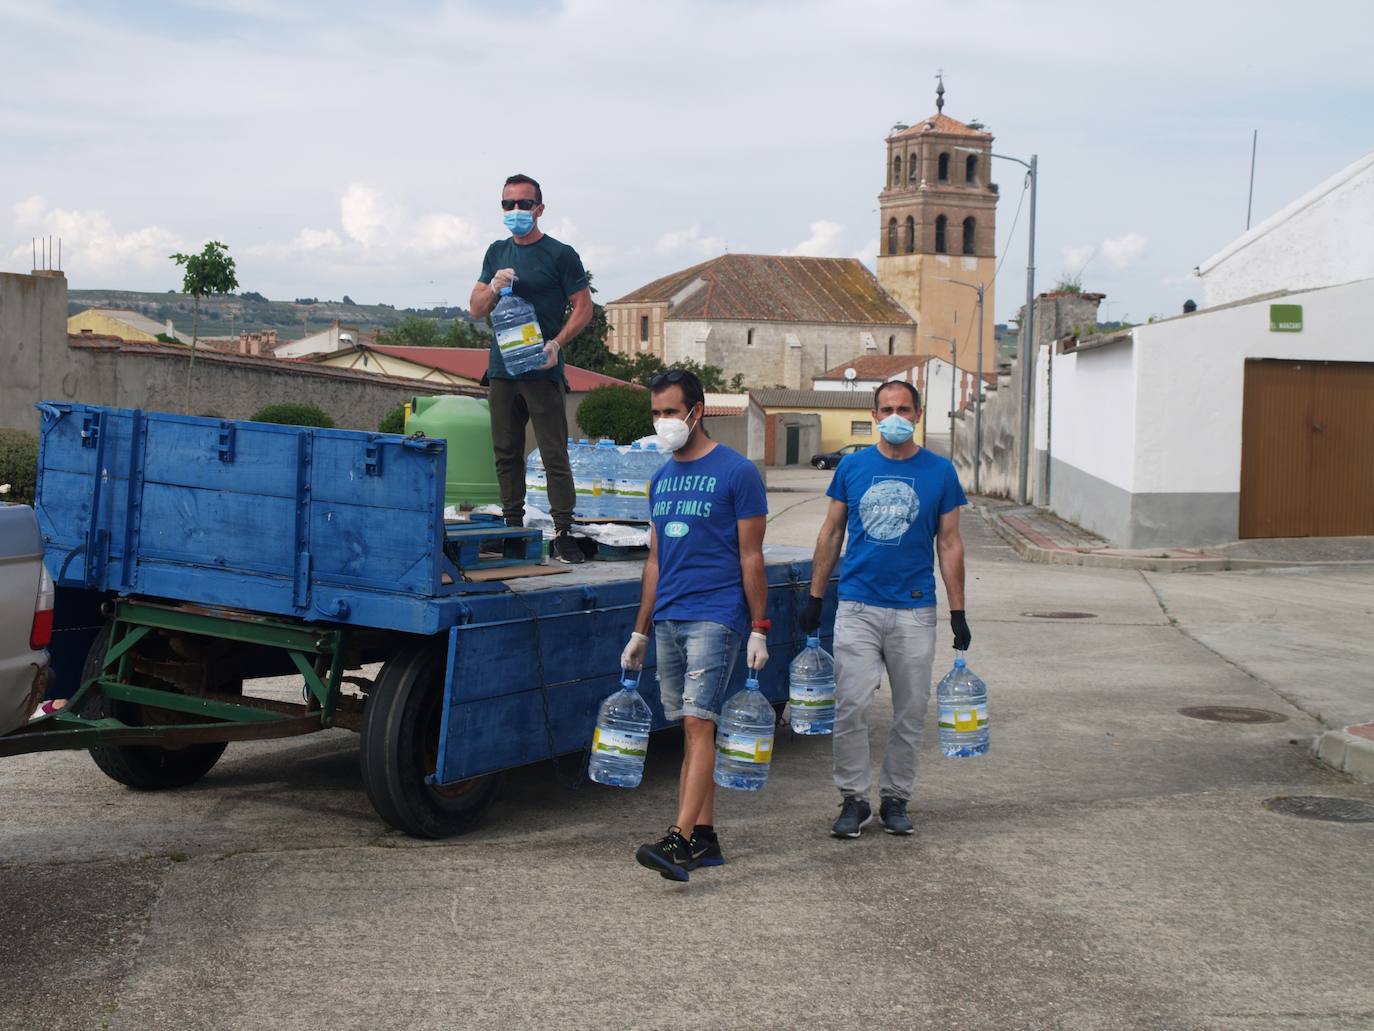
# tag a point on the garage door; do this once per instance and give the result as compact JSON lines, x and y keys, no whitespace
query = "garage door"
{"x":1307,"y":449}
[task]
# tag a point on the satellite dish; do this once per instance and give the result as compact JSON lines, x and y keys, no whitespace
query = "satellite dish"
{"x":850,"y":374}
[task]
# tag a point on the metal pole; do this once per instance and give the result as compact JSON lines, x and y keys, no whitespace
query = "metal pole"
{"x":953,"y":389}
{"x":978,"y":412}
{"x":1249,"y":203}
{"x":1027,"y":350}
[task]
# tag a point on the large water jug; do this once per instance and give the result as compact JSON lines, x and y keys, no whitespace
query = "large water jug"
{"x":963,"y":702}
{"x":579,"y":457}
{"x":632,"y":485}
{"x":518,"y":337}
{"x":811,"y":695}
{"x":621,"y":739}
{"x":603,"y":479}
{"x":536,"y":482}
{"x":744,"y":738}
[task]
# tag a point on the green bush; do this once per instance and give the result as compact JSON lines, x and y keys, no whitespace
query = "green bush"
{"x":294,"y":415}
{"x":18,"y":465}
{"x":393,"y":421}
{"x":621,"y":413}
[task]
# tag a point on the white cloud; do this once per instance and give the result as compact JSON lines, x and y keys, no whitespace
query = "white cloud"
{"x":314,"y":239}
{"x":1124,"y":250}
{"x":368,"y":216}
{"x":822,"y":243}
{"x":1077,"y":256}
{"x":90,"y":243}
{"x":689,"y":240}
{"x":868,"y":254}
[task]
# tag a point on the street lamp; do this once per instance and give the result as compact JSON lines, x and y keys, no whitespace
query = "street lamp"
{"x":1027,"y":328}
{"x":977,"y":411}
{"x":953,"y":382}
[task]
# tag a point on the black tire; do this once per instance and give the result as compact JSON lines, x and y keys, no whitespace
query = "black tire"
{"x":141,"y":767}
{"x":400,"y":747}
{"x":819,"y":463}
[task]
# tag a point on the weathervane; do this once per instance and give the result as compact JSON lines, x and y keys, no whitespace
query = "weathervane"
{"x":939,"y":91}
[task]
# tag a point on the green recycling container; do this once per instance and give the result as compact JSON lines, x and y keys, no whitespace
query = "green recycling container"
{"x":465,"y":423}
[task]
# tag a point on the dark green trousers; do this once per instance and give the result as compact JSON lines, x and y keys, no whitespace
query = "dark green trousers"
{"x":513,"y":404}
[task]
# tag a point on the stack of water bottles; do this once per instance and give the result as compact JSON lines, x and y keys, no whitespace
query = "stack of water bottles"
{"x":611,"y":482}
{"x":518,"y":336}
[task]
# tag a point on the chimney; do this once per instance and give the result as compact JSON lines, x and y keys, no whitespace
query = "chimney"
{"x":170,"y":331}
{"x":243,"y":341}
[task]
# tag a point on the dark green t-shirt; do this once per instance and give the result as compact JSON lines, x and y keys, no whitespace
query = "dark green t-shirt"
{"x":547,"y":273}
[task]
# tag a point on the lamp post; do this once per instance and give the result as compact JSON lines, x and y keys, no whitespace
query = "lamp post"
{"x":1027,"y":349}
{"x":953,"y":383}
{"x":978,"y":388}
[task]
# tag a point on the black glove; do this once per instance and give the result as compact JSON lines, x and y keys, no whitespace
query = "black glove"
{"x":963,"y":636}
{"x":811,"y":615}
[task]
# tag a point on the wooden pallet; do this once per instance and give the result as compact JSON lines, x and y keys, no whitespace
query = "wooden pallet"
{"x":463,"y":544}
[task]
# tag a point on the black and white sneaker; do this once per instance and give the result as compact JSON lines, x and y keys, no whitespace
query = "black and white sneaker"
{"x":705,"y":848}
{"x":892,"y":812}
{"x":670,"y":855}
{"x":565,"y":549}
{"x":855,"y":815}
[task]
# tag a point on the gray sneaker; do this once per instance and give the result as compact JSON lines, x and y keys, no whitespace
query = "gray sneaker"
{"x":566,"y":549}
{"x":893,"y":814}
{"x":855,"y":815}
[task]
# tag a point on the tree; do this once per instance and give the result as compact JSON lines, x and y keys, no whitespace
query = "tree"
{"x":461,"y":333}
{"x":410,"y":332}
{"x":294,"y":415}
{"x":209,"y":272}
{"x":588,"y":349}
{"x":393,"y":421}
{"x":254,"y":296}
{"x":621,"y":413}
{"x":347,"y":299}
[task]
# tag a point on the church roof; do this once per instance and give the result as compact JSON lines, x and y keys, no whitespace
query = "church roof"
{"x":939,"y":124}
{"x":775,"y":288}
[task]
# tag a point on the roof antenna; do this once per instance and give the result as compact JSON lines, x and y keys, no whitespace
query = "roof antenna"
{"x":939,"y":91}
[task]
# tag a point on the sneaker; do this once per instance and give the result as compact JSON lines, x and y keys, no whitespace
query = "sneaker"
{"x":670,"y":855}
{"x":855,"y":815}
{"x":893,"y":814}
{"x":565,"y":549}
{"x":705,"y":848}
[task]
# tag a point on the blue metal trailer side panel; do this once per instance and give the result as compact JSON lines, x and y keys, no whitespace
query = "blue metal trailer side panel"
{"x":528,"y":673}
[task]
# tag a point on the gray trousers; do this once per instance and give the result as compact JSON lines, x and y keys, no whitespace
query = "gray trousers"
{"x":513,"y":403}
{"x":869,"y":640}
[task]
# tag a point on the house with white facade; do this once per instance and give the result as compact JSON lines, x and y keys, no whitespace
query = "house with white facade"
{"x":943,"y":389}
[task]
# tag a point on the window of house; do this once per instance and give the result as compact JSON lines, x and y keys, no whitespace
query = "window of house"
{"x":910,"y":235}
{"x":943,"y":174}
{"x":891,"y":345}
{"x":861,"y":428}
{"x":940,"y":223}
{"x":971,"y":169}
{"x":749,"y":337}
{"x":891,"y":236}
{"x":644,"y":329}
{"x":969,"y":228}
{"x":897,"y":170}
{"x":911,"y":168}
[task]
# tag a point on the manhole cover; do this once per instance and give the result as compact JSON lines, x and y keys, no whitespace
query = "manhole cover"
{"x":1231,"y":714}
{"x":1316,"y":807}
{"x":1061,"y":615}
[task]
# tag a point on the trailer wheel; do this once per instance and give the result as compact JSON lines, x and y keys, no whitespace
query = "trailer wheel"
{"x":142,"y":767}
{"x":400,"y":748}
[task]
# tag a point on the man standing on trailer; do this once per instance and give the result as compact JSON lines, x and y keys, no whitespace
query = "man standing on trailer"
{"x":549,"y":274}
{"x":901,"y":504}
{"x":704,"y":588}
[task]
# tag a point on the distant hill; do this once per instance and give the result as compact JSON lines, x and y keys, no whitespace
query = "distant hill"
{"x":226,"y":315}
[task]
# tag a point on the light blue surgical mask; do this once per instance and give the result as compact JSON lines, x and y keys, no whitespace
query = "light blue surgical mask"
{"x":896,"y":430}
{"x":518,"y":222}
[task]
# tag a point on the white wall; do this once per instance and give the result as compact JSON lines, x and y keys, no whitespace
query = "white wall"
{"x":1321,"y":239}
{"x":1094,"y":412}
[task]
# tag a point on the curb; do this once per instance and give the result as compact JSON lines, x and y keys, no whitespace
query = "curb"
{"x":1350,"y":750}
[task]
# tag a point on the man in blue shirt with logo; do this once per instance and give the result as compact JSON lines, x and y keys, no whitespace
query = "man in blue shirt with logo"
{"x":704,"y":589}
{"x":900,"y":504}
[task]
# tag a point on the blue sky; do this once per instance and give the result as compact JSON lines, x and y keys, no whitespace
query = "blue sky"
{"x":349,"y":148}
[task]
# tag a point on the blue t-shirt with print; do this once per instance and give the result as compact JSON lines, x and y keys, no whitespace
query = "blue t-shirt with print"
{"x":894,"y":514}
{"x":695,"y":506}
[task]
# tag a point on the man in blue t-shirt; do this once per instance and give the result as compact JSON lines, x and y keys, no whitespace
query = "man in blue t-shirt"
{"x":900,"y":503}
{"x":549,"y":274}
{"x":704,"y":589}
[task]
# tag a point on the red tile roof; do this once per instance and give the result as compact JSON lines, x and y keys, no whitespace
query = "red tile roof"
{"x":776,"y":288}
{"x":876,"y":366}
{"x":471,"y":363}
{"x":937,"y":124}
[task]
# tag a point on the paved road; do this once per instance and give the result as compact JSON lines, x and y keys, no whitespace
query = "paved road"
{"x":1108,"y":865}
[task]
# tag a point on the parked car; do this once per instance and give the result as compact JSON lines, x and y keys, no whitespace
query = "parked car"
{"x":26,"y":610}
{"x":830,"y":459}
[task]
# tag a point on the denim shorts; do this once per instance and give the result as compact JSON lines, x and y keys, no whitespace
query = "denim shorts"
{"x":695,"y":660}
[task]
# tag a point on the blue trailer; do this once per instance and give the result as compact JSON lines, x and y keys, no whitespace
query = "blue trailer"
{"x":193,"y":554}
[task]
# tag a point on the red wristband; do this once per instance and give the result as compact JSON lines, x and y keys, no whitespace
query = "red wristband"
{"x":761,"y":624}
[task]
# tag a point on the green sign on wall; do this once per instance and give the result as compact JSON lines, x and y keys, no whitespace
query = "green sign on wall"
{"x":1285,"y":318}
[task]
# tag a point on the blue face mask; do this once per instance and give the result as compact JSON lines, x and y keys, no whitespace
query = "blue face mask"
{"x":896,"y":430}
{"x":518,"y":222}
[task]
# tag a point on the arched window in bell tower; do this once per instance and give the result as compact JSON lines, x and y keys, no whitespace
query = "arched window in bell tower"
{"x":897,"y":171}
{"x":969,"y":227}
{"x":912,"y":166}
{"x":971,"y":169}
{"x":943,"y":173}
{"x":910,"y":235}
{"x":940,"y":223}
{"x":891,"y":236}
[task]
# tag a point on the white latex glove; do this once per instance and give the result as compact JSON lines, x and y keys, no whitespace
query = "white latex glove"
{"x":757,"y":654}
{"x":503,"y":278}
{"x":551,"y":349}
{"x":635,"y":652}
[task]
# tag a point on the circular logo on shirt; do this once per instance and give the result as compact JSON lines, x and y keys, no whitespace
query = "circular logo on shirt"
{"x":888,"y":509}
{"x":676,"y":529}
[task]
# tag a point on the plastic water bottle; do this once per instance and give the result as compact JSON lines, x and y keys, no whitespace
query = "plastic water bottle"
{"x":518,"y":336}
{"x":603,"y":482}
{"x":811,"y":695}
{"x":963,"y":702}
{"x":536,"y":482}
{"x":579,"y":456}
{"x":744,"y":738}
{"x":632,"y":485}
{"x":621,"y":739}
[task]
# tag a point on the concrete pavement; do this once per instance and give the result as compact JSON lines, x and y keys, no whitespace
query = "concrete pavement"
{"x":1110,"y":864}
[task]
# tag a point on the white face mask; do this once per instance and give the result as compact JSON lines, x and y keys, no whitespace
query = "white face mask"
{"x":672,"y":433}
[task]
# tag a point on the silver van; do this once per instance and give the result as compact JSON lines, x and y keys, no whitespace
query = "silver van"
{"x":26,"y":613}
